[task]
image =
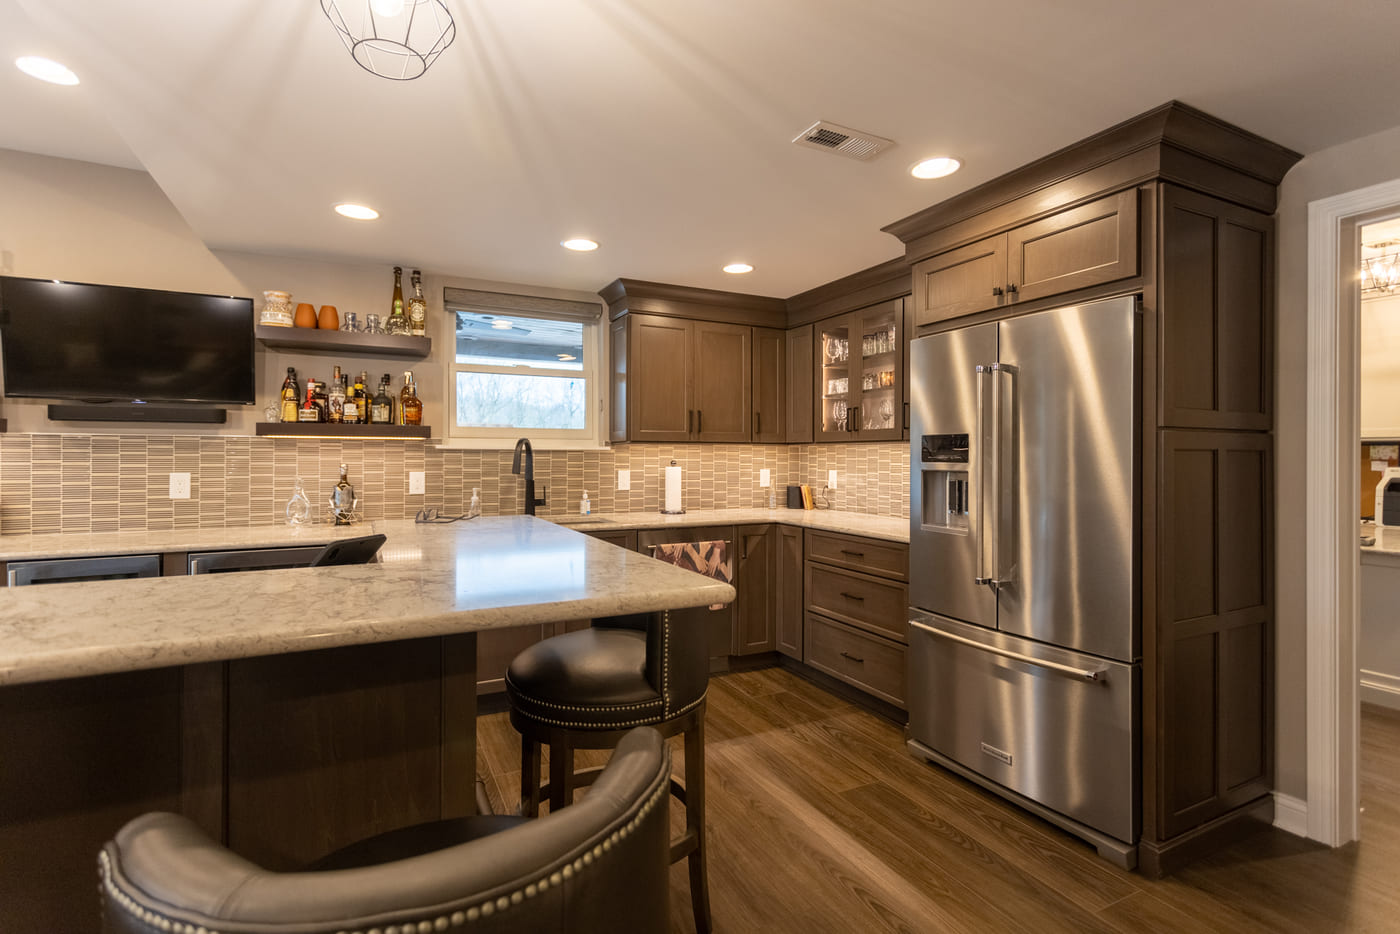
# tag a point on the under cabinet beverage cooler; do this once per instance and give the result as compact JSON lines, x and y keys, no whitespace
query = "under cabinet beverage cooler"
{"x":1024,"y":655}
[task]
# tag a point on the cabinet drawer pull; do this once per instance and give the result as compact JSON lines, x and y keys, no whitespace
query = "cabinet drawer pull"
{"x":855,"y":658}
{"x":996,"y":291}
{"x":1011,"y":288}
{"x":851,"y":596}
{"x":853,"y":554}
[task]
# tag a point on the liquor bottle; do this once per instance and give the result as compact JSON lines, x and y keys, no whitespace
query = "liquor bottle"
{"x":397,"y":322}
{"x":364,"y":397}
{"x":291,"y":396}
{"x":343,"y":499}
{"x":383,"y":406}
{"x":309,"y":411}
{"x":412,"y":406}
{"x":352,"y":414}
{"x":418,"y":308}
{"x":403,"y":396}
{"x":323,"y":402}
{"x":336,"y":397}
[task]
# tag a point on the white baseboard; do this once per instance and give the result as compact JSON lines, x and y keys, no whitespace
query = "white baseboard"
{"x":1380,"y":688}
{"x":1291,"y":814}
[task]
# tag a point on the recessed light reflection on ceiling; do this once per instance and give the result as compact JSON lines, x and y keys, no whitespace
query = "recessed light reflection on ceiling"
{"x":357,"y":212}
{"x":935,"y":168}
{"x":45,"y":69}
{"x":738,"y":268}
{"x":579,"y":245}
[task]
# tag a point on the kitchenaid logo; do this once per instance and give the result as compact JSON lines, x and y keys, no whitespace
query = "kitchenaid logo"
{"x":996,"y":753}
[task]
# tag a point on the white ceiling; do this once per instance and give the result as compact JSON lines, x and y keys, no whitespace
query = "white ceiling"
{"x":660,"y":128}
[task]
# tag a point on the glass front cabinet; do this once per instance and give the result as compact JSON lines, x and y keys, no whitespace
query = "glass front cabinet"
{"x":860,"y":375}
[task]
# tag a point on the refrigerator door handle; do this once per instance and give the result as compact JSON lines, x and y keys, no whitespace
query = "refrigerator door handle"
{"x":1087,"y":674}
{"x":1003,"y":376}
{"x":979,"y":467}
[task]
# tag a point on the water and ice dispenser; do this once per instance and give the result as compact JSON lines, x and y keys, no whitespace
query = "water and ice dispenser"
{"x":944,"y":475}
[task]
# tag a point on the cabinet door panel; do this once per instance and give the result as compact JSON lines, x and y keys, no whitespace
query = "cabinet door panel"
{"x":659,"y":379}
{"x":757,"y":585}
{"x":617,"y":351}
{"x":790,"y":609}
{"x":1084,"y":246}
{"x":769,"y":385}
{"x":722,"y":380}
{"x":801,"y":384}
{"x":960,"y":282}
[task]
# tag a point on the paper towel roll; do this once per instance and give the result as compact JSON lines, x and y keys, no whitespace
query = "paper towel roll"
{"x":673,"y":489}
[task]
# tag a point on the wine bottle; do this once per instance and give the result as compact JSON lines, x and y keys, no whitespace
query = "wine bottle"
{"x":291,"y":396}
{"x":383,"y":406}
{"x":336,"y":397}
{"x":397,"y":322}
{"x":418,"y":308}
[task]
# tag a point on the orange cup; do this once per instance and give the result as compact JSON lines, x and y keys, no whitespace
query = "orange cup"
{"x":328,"y":319}
{"x":305,"y":316}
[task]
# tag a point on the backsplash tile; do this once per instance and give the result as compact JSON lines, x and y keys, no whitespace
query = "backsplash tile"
{"x":97,"y":483}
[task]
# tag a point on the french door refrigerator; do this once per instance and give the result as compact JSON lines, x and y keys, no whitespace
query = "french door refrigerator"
{"x":1024,"y":648}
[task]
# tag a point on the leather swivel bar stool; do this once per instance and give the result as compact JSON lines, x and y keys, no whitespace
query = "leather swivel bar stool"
{"x":584,"y":690}
{"x":597,"y":868}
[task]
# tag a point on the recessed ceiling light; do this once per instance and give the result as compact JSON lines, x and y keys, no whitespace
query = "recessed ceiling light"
{"x":45,"y":69}
{"x":935,"y":168}
{"x":738,"y":268}
{"x":579,"y":245}
{"x":501,"y":324}
{"x":356,"y":212}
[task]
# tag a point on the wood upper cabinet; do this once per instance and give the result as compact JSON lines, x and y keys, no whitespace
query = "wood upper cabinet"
{"x":1073,"y":249}
{"x":770,"y":385}
{"x":684,"y":380}
{"x":800,"y":384}
{"x":858,"y":360}
{"x":1217,"y":313}
{"x":756,"y":581}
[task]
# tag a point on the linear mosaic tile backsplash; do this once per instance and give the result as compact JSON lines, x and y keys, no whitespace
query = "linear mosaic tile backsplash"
{"x":102,"y":483}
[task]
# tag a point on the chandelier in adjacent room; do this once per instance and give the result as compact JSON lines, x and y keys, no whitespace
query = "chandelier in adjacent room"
{"x":1380,"y":270}
{"x":395,"y":39}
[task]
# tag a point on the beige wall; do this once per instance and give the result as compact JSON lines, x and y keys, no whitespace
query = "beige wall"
{"x":1357,"y":164}
{"x":1380,"y":367}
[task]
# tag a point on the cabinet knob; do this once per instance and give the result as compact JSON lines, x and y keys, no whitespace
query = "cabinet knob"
{"x":996,"y":290}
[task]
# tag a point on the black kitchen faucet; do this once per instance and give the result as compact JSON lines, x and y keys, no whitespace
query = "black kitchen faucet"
{"x":530,"y":501}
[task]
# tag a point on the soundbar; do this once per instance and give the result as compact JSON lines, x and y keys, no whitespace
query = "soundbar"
{"x":136,"y":412}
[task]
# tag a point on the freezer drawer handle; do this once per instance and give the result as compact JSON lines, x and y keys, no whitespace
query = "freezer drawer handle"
{"x":1088,"y":674}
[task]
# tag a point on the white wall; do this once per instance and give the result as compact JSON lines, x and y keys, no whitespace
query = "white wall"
{"x":1347,"y":167}
{"x":63,"y":219}
{"x":1380,"y":368}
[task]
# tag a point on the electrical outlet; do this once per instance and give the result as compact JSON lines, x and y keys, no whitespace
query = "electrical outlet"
{"x":765,"y":477}
{"x":179,"y":486}
{"x":624,"y":479}
{"x":831,"y":479}
{"x":417,"y":484}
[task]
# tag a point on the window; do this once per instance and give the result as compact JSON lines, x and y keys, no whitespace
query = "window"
{"x":523,"y":365}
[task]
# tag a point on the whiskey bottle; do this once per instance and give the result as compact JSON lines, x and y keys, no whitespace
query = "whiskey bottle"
{"x":353,"y":414}
{"x":418,"y":308}
{"x":336,"y":398}
{"x":364,"y":397}
{"x":291,"y":396}
{"x":412,"y":406}
{"x":397,"y":322}
{"x":323,"y":403}
{"x":403,"y":396}
{"x":309,"y":411}
{"x":383,"y":406}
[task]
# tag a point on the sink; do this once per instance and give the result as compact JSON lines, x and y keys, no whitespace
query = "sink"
{"x":577,"y":520}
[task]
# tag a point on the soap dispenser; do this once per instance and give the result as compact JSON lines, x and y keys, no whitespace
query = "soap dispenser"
{"x":584,"y":506}
{"x":474,"y":509}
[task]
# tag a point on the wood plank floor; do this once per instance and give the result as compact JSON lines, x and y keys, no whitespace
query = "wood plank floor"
{"x":820,"y":822}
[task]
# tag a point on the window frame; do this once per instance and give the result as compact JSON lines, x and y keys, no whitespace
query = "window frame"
{"x":589,"y":315}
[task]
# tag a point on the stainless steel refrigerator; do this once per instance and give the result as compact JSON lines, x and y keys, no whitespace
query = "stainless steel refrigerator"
{"x":1024,"y":633}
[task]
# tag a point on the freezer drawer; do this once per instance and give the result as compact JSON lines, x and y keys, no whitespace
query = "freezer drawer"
{"x":1038,"y":726}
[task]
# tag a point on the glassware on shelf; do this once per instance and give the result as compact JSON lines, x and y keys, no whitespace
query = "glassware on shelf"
{"x":838,"y":349}
{"x":350,"y":321}
{"x":838,"y":415}
{"x":887,"y":413}
{"x":372,"y":325}
{"x":298,"y":507}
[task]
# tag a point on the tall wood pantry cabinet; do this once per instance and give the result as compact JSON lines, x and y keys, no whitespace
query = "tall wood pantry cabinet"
{"x":1176,"y":207}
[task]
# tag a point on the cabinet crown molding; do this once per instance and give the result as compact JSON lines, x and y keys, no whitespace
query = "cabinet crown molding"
{"x":680,"y":301}
{"x":1173,"y":142}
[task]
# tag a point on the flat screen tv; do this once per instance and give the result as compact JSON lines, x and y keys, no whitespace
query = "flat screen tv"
{"x":107,"y":343}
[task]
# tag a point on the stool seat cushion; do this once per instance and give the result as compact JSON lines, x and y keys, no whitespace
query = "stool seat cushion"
{"x":591,"y":679}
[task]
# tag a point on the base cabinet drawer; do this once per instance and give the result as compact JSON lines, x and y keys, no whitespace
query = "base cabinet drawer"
{"x":873,"y":664}
{"x":867,"y":602}
{"x":885,"y":559}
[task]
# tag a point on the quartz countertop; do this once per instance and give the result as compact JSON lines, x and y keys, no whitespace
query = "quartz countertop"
{"x":1387,"y":541}
{"x":888,"y":528}
{"x":431,"y":580}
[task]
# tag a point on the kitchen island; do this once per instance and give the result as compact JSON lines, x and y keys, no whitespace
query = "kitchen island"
{"x":288,"y":711}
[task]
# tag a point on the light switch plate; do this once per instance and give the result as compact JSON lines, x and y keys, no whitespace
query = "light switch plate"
{"x":624,"y":479}
{"x":765,"y":477}
{"x":179,"y":486}
{"x":417,"y":485}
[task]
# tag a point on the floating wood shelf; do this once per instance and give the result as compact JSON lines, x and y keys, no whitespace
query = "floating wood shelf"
{"x":356,"y":343}
{"x":328,"y":430}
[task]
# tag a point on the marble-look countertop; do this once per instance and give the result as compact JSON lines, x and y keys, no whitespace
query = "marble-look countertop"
{"x":888,"y":528}
{"x":431,"y":580}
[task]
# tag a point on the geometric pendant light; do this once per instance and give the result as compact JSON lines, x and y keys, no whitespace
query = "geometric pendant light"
{"x":395,"y":39}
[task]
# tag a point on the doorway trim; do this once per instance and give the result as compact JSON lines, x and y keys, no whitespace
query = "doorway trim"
{"x":1332,"y":559}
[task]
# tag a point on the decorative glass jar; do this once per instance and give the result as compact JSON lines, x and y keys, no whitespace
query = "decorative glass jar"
{"x":276,"y":310}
